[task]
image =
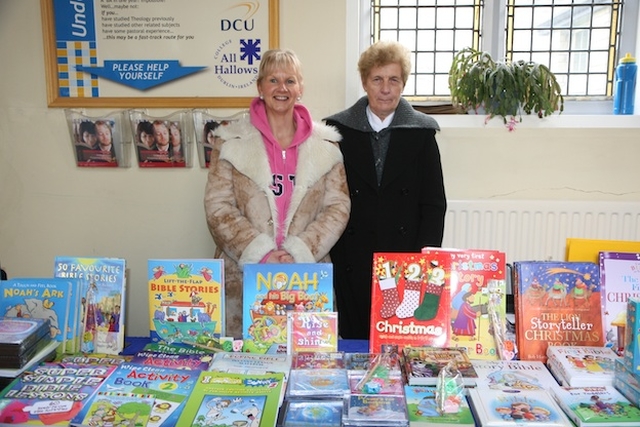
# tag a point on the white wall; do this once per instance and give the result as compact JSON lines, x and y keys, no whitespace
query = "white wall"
{"x":50,"y":207}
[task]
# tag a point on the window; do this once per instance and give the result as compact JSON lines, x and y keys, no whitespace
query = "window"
{"x":580,"y":40}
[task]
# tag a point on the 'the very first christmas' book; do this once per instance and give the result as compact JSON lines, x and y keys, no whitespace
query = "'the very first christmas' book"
{"x":186,"y":300}
{"x":270,"y":290}
{"x":556,"y":303}
{"x":410,"y":301}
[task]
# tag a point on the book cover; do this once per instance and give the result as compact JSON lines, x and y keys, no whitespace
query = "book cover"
{"x":410,"y":300}
{"x":513,"y":375}
{"x":51,"y":394}
{"x":175,"y":348}
{"x":602,"y":406}
{"x":478,"y":280}
{"x":423,"y":364}
{"x":375,"y":410}
{"x":93,"y":359}
{"x":423,"y":411}
{"x":315,"y":360}
{"x":270,"y":290}
{"x":229,"y":399}
{"x":117,"y":409}
{"x":583,"y":365}
{"x":493,"y":408}
{"x":186,"y":300}
{"x":620,"y":280}
{"x":170,"y":387}
{"x":360,"y":362}
{"x":631,"y":357}
{"x":251,"y":363}
{"x":103,"y":282}
{"x":311,"y":413}
{"x":556,"y":303}
{"x":312,"y":331}
{"x":173,"y":361}
{"x":318,"y":382}
{"x":43,"y":298}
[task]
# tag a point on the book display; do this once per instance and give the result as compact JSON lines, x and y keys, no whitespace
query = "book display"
{"x":312,"y":331}
{"x":513,"y":375}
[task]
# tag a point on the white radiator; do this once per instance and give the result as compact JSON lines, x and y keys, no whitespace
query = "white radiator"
{"x":536,"y":229}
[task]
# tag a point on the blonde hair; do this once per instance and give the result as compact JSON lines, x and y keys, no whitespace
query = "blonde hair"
{"x":275,"y":59}
{"x":385,"y":52}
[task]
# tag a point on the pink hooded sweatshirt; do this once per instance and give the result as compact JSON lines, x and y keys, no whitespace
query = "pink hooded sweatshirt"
{"x":283,"y":162}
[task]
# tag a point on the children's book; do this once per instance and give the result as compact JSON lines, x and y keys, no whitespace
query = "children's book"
{"x":117,"y":409}
{"x":54,"y":299}
{"x":311,"y":413}
{"x":478,"y":283}
{"x":251,"y":363}
{"x":376,"y":410}
{"x":513,"y":375}
{"x":423,"y":364}
{"x":318,"y":382}
{"x":230,"y":399}
{"x":410,"y":301}
{"x":270,"y":290}
{"x":51,"y":393}
{"x":583,"y":365}
{"x":631,"y":357}
{"x":556,"y":303}
{"x":172,"y":361}
{"x":174,"y":348}
{"x":93,"y":359}
{"x":318,"y":360}
{"x":423,"y":410}
{"x":103,"y":282}
{"x":522,"y":408}
{"x":186,"y":300}
{"x":312,"y":331}
{"x":361,"y":362}
{"x":169,"y":387}
{"x":620,"y":280}
{"x":601,"y":406}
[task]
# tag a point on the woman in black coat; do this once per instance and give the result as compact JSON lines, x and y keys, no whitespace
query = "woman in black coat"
{"x":395,"y":181}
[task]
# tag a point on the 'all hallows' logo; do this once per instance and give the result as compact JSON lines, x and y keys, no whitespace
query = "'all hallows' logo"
{"x":236,"y":62}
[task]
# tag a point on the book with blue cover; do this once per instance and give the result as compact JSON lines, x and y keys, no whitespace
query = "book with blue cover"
{"x":103,"y":282}
{"x":270,"y":290}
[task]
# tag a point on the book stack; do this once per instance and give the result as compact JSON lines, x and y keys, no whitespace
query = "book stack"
{"x":578,"y":366}
{"x":627,"y":368}
{"x":23,"y":343}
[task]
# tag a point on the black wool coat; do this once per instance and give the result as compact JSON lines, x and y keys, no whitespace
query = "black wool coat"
{"x":402,"y":214}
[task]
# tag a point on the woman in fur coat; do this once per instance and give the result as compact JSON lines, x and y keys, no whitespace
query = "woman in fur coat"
{"x":276,"y":190}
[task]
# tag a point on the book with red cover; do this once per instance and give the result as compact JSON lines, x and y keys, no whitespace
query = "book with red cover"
{"x":410,"y":301}
{"x":556,"y":303}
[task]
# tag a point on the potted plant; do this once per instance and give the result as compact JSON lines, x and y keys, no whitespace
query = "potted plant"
{"x":503,"y":88}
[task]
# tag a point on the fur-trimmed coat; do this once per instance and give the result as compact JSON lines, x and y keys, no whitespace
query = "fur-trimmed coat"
{"x":240,"y":206}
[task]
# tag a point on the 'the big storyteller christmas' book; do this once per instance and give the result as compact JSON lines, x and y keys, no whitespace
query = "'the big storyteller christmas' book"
{"x":410,"y":301}
{"x":233,"y":398}
{"x":103,"y":291}
{"x":186,"y":300}
{"x":270,"y":290}
{"x":556,"y":303}
{"x":620,"y":280}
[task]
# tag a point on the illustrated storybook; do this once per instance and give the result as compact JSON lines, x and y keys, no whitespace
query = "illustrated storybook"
{"x":410,"y":301}
{"x":377,"y":410}
{"x":173,"y":361}
{"x":620,"y":280}
{"x":311,"y":413}
{"x":312,"y":331}
{"x":524,"y":408}
{"x":602,"y":406}
{"x":55,"y":299}
{"x":423,"y":364}
{"x":556,"y":303}
{"x":186,"y":300}
{"x":50,"y":394}
{"x":582,"y":365}
{"x":169,"y":387}
{"x":236,"y":399}
{"x":478,"y":282}
{"x":423,"y":411}
{"x":251,"y":363}
{"x":117,"y":409}
{"x":270,"y":290}
{"x":159,"y":347}
{"x":321,"y":382}
{"x":103,"y":288}
{"x":513,"y":375}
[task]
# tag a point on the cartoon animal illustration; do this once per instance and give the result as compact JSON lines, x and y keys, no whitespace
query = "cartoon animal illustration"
{"x":37,"y":309}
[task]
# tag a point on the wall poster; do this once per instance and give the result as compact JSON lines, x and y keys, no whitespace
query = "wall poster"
{"x":155,"y":53}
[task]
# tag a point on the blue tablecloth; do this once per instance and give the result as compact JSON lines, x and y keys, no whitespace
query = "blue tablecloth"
{"x":132,"y":345}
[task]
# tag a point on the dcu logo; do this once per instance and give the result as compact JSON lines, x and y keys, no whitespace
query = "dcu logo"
{"x":236,"y":58}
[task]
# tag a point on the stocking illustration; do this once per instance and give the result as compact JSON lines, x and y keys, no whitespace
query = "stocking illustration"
{"x":390,"y":297}
{"x":430,"y":302}
{"x":410,"y":300}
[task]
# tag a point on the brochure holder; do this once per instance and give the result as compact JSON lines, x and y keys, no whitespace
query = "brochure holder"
{"x":205,"y":125}
{"x":162,"y":142}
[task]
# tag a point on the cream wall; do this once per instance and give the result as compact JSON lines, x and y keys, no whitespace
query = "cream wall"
{"x":50,"y":207}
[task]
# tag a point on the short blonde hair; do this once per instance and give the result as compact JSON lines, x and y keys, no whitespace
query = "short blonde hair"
{"x":275,"y":59}
{"x":385,"y":52}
